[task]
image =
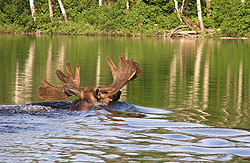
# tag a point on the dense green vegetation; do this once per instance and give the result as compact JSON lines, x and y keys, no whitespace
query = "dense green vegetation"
{"x":144,"y":17}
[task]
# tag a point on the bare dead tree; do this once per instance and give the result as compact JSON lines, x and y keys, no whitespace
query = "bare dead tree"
{"x":177,"y":10}
{"x":208,"y":8}
{"x":181,"y":8}
{"x":127,"y":5}
{"x":50,"y":9}
{"x":33,"y":10}
{"x":32,"y":6}
{"x":200,"y":16}
{"x":175,"y":29}
{"x":63,"y":11}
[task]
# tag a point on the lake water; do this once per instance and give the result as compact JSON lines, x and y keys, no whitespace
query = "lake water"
{"x":194,"y":95}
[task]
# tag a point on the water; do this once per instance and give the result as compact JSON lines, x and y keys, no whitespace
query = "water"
{"x":190,"y":104}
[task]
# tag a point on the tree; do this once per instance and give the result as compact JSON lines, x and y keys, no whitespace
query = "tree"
{"x":179,"y":11}
{"x":127,"y":5}
{"x":32,"y":7}
{"x":63,"y":11}
{"x":50,"y":9}
{"x":208,"y":8}
{"x":200,"y":16}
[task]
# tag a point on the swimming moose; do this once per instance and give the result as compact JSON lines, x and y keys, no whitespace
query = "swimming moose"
{"x":92,"y":96}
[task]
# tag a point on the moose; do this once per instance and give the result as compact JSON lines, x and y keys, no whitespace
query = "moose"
{"x":91,"y":96}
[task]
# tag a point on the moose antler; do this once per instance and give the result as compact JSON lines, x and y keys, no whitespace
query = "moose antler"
{"x":127,"y":71}
{"x":70,"y":84}
{"x":50,"y":92}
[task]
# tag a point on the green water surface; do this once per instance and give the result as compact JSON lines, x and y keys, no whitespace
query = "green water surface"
{"x":202,"y":81}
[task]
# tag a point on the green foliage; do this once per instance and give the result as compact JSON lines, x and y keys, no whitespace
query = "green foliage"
{"x":140,"y":19}
{"x":144,"y":17}
{"x":233,"y":18}
{"x":190,"y":9}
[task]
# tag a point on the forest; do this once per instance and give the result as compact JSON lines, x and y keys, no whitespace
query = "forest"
{"x":158,"y":18}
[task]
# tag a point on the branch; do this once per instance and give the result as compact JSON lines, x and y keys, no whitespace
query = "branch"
{"x":175,"y":29}
{"x":186,"y":22}
{"x":181,"y":8}
{"x":177,"y":10}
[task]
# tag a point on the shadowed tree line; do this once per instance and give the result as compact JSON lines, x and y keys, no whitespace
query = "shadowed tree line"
{"x":210,"y":18}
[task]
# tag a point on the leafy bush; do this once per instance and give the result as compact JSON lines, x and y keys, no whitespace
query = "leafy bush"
{"x":144,"y":17}
{"x":232,"y":18}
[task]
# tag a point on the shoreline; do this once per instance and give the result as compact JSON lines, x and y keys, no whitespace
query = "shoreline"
{"x":39,"y":33}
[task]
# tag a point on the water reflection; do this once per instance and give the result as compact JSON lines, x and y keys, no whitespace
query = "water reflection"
{"x":98,"y":69}
{"x":203,"y":90}
{"x":172,"y":79}
{"x":199,"y":79}
{"x":239,"y":98}
{"x":206,"y":83}
{"x":23,"y":87}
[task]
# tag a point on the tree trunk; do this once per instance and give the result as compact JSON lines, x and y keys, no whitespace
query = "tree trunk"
{"x":32,"y":7}
{"x":175,"y":29}
{"x":187,"y":23}
{"x":127,"y":5}
{"x":181,"y":8}
{"x":50,"y":9}
{"x":177,"y":10}
{"x":63,"y":11}
{"x":200,"y":16}
{"x":208,"y":8}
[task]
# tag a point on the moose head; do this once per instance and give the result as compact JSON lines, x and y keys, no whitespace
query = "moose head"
{"x":91,"y":96}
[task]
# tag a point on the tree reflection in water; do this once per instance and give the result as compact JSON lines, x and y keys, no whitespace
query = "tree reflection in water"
{"x":204,"y":82}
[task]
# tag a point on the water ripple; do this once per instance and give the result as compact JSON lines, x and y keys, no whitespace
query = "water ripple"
{"x":103,"y":135}
{"x":216,"y":132}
